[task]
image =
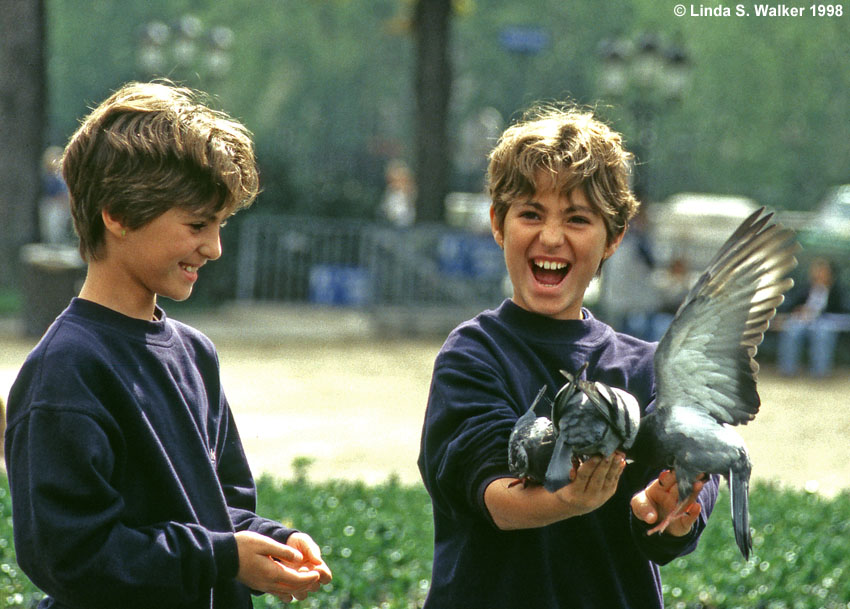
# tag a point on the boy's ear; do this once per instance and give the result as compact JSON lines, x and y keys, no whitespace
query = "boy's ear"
{"x":112,"y":224}
{"x":612,"y":247}
{"x":497,"y":230}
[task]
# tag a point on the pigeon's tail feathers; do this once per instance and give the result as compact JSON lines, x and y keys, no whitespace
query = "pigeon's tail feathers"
{"x":541,"y":407}
{"x":739,"y":492}
{"x":572,"y":378}
{"x":560,"y":465}
{"x":565,"y":395}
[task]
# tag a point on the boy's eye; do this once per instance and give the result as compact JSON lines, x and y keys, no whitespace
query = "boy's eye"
{"x":198,"y":226}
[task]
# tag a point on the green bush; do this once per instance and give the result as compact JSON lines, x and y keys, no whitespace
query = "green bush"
{"x":378,"y":542}
{"x":800,"y":559}
{"x":15,"y":589}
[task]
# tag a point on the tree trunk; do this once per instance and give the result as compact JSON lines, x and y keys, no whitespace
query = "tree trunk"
{"x":22,"y":128}
{"x":433,"y":82}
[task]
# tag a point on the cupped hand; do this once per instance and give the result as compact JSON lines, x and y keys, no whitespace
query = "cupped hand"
{"x":268,"y":566}
{"x":309,"y":549}
{"x":593,"y":483}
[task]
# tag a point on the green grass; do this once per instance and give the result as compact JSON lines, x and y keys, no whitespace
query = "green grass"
{"x":378,"y":542}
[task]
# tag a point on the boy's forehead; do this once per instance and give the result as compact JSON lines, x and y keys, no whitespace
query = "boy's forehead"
{"x":575,"y":199}
{"x":209,"y":213}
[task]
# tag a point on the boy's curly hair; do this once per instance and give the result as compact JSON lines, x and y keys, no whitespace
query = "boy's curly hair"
{"x":569,"y":148}
{"x":148,"y":148}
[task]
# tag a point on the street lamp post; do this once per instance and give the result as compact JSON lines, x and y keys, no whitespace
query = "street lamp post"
{"x":646,"y":78}
{"x":185,"y":50}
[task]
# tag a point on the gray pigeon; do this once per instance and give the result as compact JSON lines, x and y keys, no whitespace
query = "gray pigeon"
{"x":589,"y":418}
{"x":705,"y":367}
{"x":532,"y":441}
{"x":586,"y":418}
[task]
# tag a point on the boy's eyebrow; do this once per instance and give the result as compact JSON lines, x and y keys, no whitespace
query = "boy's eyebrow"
{"x":571,"y":208}
{"x":204,"y":214}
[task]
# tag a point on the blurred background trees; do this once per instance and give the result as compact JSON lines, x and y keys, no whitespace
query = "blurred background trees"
{"x":330,"y":90}
{"x":22,"y":126}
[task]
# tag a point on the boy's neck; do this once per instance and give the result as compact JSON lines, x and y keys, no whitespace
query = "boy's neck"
{"x":100,"y":289}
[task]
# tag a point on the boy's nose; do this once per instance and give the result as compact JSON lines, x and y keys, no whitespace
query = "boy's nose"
{"x":211,"y":247}
{"x":551,"y":235}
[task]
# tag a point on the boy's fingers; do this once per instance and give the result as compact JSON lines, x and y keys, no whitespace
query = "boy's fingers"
{"x":285,"y":553}
{"x":667,"y":480}
{"x":642,"y":508}
{"x":618,"y":463}
{"x":295,"y":580}
{"x":308,"y":547}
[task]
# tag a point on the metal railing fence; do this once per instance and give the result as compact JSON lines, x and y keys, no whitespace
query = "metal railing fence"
{"x":355,"y":263}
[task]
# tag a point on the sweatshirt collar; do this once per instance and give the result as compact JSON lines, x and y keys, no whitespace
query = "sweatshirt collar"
{"x":548,"y":329}
{"x":141,"y":329}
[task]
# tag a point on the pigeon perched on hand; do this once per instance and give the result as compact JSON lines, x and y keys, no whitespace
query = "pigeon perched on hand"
{"x":589,"y":418}
{"x":532,"y":442}
{"x":586,"y":418}
{"x":705,"y":369}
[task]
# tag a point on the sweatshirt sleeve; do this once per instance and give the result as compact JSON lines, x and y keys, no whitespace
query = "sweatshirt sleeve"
{"x":238,"y":486}
{"x":69,"y":536}
{"x":465,"y":437}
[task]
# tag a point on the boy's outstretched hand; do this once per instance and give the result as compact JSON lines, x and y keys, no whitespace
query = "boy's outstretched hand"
{"x":593,"y":483}
{"x":660,"y":499}
{"x":288,"y":571}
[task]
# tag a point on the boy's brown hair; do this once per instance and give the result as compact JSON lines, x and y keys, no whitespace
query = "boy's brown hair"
{"x":151,"y":147}
{"x":576,"y":150}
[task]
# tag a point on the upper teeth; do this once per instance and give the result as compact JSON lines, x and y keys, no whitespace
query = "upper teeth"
{"x":191,"y":269}
{"x":550,"y":265}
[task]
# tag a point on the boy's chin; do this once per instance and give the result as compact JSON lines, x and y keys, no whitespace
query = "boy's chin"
{"x":179,"y":297}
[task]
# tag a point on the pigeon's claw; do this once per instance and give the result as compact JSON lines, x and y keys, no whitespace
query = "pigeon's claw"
{"x":679,"y":512}
{"x":526,"y":481}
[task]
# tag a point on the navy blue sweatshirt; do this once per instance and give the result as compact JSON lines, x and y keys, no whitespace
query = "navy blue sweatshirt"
{"x":127,"y":473}
{"x":486,"y":376}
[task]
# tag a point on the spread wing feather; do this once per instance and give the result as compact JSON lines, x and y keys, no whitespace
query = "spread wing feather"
{"x":706,"y":359}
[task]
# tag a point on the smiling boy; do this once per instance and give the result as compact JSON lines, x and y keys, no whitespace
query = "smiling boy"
{"x":560,"y":207}
{"x":130,"y":487}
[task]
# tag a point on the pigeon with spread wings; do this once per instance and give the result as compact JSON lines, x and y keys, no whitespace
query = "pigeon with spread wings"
{"x":706,"y":371}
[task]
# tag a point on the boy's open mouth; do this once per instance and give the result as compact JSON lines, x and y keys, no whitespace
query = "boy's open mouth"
{"x":549,"y":272}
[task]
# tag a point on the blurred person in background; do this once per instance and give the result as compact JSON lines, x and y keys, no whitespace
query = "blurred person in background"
{"x":399,"y":199}
{"x":629,"y":298}
{"x":812,"y":310}
{"x":672,"y":284}
{"x":54,"y":210}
